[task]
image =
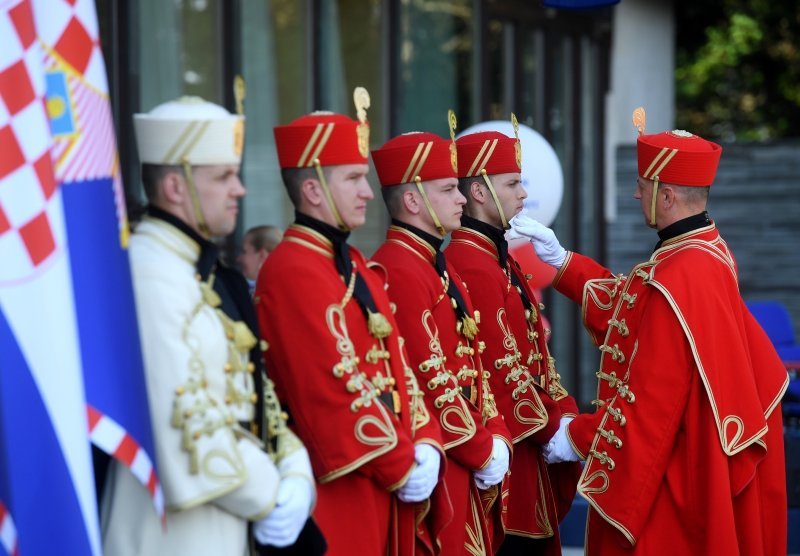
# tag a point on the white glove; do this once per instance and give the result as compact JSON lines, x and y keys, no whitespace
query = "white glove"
{"x":559,"y":448}
{"x":424,"y":477}
{"x":544,"y":240}
{"x":283,"y":525}
{"x":497,"y":467}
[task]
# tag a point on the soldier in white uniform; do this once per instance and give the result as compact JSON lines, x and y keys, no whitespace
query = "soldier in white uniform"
{"x":217,"y":475}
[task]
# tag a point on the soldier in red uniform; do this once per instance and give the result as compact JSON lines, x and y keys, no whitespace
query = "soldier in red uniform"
{"x":418,"y":175}
{"x":523,"y":377}
{"x":337,"y":357}
{"x":685,"y":451}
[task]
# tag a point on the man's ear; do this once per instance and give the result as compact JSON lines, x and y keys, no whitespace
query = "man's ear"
{"x":173,"y":188}
{"x":477,"y":191}
{"x":411,"y":201}
{"x":668,"y":197}
{"x":311,"y":191}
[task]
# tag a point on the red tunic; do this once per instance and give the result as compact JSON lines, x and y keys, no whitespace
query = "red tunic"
{"x":524,"y":381}
{"x":329,"y":370}
{"x":443,"y":359}
{"x":685,"y":450}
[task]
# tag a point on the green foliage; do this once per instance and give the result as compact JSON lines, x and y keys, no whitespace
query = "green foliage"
{"x":738,"y":68}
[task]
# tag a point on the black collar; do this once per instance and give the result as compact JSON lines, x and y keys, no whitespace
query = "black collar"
{"x":209,"y":252}
{"x":333,"y":233}
{"x":683,"y":226}
{"x":497,"y":235}
{"x":434,"y":241}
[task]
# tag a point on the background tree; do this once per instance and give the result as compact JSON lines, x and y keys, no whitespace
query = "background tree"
{"x":738,"y":68}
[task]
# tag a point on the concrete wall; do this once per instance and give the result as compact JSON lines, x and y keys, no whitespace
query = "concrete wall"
{"x":642,"y":74}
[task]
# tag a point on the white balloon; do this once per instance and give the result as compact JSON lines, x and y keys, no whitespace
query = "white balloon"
{"x":542,"y":176}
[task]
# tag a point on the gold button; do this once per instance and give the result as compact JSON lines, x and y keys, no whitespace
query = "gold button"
{"x":251,"y":367}
{"x":227,"y":368}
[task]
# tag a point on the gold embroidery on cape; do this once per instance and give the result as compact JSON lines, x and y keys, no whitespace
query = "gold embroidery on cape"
{"x":220,"y":465}
{"x":542,"y":517}
{"x":194,"y":411}
{"x":585,"y":484}
{"x":455,"y":420}
{"x":443,"y":378}
{"x":517,"y":374}
{"x":383,"y":433}
{"x":419,"y":412}
{"x":539,"y":419}
{"x":239,"y":384}
{"x":357,"y":382}
{"x":475,"y":543}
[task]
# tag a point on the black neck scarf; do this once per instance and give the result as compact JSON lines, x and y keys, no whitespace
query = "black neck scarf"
{"x":341,"y":257}
{"x":498,"y":237}
{"x":440,"y":263}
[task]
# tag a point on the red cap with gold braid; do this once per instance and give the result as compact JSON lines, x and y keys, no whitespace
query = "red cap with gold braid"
{"x":415,"y":155}
{"x":330,"y":138}
{"x":676,"y":157}
{"x":492,"y":151}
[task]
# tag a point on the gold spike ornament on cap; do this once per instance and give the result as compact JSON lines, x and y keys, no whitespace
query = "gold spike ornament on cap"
{"x":517,"y":145}
{"x":239,"y":92}
{"x":452,"y":123}
{"x":361,"y":100}
{"x":639,"y":120}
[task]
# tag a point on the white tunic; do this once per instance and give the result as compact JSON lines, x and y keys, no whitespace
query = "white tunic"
{"x":215,"y":477}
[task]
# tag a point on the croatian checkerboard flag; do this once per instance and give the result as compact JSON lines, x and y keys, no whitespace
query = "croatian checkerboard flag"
{"x":70,"y":363}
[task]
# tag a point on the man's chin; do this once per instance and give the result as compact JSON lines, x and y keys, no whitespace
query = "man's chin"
{"x":356,"y":223}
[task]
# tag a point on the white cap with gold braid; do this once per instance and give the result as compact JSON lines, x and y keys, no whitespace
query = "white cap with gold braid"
{"x":189,"y":130}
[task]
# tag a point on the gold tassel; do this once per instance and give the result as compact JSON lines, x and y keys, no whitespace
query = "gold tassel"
{"x":209,"y":295}
{"x":378,"y":326}
{"x":469,"y":328}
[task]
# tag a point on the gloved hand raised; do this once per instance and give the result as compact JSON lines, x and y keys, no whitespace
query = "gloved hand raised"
{"x":283,"y":525}
{"x":559,"y":449}
{"x":497,"y":467}
{"x":544,"y":240}
{"x":424,"y":477}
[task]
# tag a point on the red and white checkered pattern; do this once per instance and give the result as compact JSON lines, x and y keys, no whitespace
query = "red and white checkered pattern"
{"x":8,"y":533}
{"x":28,"y":237}
{"x":70,"y":37}
{"x":110,"y":437}
{"x":69,"y":30}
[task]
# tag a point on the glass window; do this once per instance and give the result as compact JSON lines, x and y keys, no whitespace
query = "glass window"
{"x":274,"y":43}
{"x":435,"y":65}
{"x":350,"y":46}
{"x":179,"y":45}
